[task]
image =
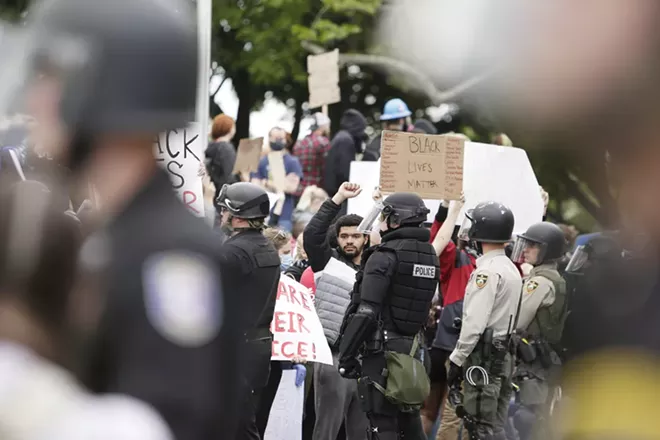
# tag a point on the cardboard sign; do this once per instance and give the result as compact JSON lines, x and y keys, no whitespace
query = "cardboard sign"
{"x":179,"y":152}
{"x":277,"y":172}
{"x":286,"y":413}
{"x":323,"y":80}
{"x":248,"y":155}
{"x":296,"y":328}
{"x":490,"y":173}
{"x":431,"y":166}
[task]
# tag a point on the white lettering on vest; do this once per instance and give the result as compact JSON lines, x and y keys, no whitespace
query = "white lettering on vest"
{"x":422,"y":271}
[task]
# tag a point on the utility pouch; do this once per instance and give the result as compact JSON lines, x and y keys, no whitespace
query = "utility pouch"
{"x":526,"y":351}
{"x":499,"y":351}
{"x":408,"y":384}
{"x":544,"y":353}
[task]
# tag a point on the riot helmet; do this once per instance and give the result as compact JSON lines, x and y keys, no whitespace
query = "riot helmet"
{"x":244,"y":200}
{"x":488,"y":222}
{"x":404,"y":209}
{"x":111,"y":72}
{"x":542,"y":243}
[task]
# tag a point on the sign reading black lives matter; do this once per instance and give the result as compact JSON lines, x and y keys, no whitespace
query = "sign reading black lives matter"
{"x":431,"y":166}
{"x":181,"y":152}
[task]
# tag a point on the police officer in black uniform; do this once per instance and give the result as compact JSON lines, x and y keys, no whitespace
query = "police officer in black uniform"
{"x":165,"y":333}
{"x":389,"y":306}
{"x":251,"y":271}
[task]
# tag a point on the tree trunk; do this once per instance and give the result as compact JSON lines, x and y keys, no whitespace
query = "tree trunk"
{"x":297,"y":117}
{"x":243,"y":90}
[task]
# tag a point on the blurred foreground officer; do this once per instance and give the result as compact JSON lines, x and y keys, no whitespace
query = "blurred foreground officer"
{"x":483,"y":353}
{"x":540,"y":324}
{"x":251,"y":272}
{"x":38,"y":398}
{"x":99,"y":87}
{"x":389,"y":306}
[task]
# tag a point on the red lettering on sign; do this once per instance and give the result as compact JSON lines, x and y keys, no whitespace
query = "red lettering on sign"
{"x":188,"y":202}
{"x":292,"y":295}
{"x":285,"y":346}
{"x":280,"y":322}
{"x":301,"y":324}
{"x":282,"y":292}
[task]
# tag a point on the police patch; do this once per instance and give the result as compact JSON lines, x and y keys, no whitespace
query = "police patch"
{"x":481,"y":280}
{"x":182,"y":298}
{"x":423,"y":271}
{"x":531,"y":286}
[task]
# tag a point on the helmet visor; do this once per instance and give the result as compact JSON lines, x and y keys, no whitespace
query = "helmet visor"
{"x":466,"y":226}
{"x":528,"y":251}
{"x":578,"y":260}
{"x":371,"y":220}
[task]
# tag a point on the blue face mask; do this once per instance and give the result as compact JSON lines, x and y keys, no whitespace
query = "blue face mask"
{"x":286,"y":261}
{"x":277,"y":145}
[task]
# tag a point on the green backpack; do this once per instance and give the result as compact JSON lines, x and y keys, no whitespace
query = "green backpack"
{"x":408,"y":385}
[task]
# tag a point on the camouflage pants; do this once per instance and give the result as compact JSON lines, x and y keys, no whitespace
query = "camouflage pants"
{"x":487,"y":402}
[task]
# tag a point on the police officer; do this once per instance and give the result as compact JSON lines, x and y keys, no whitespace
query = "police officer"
{"x":251,"y":271}
{"x":540,"y":323}
{"x":482,"y":355}
{"x":389,"y":306}
{"x":152,"y":272}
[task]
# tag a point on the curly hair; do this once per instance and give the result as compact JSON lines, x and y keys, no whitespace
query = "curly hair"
{"x":278,"y":237}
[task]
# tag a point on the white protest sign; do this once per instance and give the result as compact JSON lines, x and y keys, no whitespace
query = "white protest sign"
{"x":490,"y":173}
{"x":296,"y":328}
{"x":286,"y":413}
{"x":179,"y":152}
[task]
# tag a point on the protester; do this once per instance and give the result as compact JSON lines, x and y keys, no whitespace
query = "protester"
{"x":311,"y":151}
{"x":308,"y":205}
{"x":300,"y":263}
{"x":282,"y":242}
{"x":425,"y":127}
{"x":293,"y":173}
{"x":394,"y":116}
{"x":345,"y":146}
{"x":389,"y":307}
{"x":221,"y":154}
{"x":336,"y":399}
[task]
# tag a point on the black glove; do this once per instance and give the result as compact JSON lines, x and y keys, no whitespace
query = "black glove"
{"x":349,"y":368}
{"x":454,"y":375}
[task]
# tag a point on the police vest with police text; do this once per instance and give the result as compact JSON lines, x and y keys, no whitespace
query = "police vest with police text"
{"x":549,"y":321}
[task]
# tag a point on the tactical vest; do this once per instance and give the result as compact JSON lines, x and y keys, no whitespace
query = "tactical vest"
{"x":549,"y":321}
{"x":413,"y":285}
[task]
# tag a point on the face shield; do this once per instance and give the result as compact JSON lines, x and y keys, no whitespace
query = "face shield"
{"x":528,"y":251}
{"x":464,"y":230}
{"x":578,"y":260}
{"x":372,"y":219}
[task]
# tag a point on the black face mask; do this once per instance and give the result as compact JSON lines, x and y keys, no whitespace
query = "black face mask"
{"x":277,"y":145}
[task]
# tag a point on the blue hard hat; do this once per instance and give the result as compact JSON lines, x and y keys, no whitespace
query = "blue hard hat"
{"x":395,"y":109}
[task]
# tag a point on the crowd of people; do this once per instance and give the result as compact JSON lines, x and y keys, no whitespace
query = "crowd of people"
{"x":123,"y":316}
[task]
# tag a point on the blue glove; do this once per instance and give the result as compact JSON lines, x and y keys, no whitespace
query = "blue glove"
{"x":301,"y":372}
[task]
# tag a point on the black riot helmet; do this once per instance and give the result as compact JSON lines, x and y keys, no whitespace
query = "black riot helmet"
{"x":488,"y":222}
{"x":123,"y":66}
{"x":404,"y":209}
{"x":244,"y":200}
{"x":547,"y":237}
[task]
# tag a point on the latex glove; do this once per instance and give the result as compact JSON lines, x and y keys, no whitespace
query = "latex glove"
{"x":349,"y":368}
{"x":301,"y":372}
{"x":454,"y":375}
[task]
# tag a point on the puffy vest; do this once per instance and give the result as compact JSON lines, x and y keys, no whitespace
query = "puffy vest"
{"x":413,"y":285}
{"x":549,"y":321}
{"x":331,"y":299}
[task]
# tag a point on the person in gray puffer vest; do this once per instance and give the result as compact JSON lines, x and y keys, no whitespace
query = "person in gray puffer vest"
{"x":337,"y":246}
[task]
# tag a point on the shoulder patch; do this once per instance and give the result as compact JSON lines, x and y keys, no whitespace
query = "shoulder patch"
{"x":182,"y":297}
{"x":531,"y":286}
{"x":481,"y":280}
{"x":423,"y":271}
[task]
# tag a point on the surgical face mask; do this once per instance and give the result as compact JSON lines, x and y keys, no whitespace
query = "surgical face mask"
{"x":286,"y":260}
{"x":277,"y":145}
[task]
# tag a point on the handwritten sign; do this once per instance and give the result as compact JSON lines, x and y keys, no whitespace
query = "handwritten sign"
{"x":431,"y":166}
{"x":286,"y":413}
{"x":323,"y":80}
{"x":248,"y":155}
{"x":277,"y":172}
{"x":179,"y":152}
{"x":297,"y":331}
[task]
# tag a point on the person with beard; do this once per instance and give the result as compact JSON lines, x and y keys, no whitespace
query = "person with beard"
{"x":251,"y":269}
{"x":344,"y":149}
{"x":277,"y":139}
{"x":336,"y":399}
{"x":394,"y":116}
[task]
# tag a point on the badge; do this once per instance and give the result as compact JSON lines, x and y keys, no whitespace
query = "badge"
{"x":182,"y":298}
{"x":481,"y":280}
{"x":531,"y":286}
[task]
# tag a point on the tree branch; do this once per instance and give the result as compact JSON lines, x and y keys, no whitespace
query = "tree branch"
{"x":219,"y":86}
{"x":574,"y":190}
{"x":414,"y":78}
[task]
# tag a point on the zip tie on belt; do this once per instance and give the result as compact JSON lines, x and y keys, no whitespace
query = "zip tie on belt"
{"x":468,"y":375}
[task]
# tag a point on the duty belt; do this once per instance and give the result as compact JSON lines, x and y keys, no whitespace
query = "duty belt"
{"x":257,"y":334}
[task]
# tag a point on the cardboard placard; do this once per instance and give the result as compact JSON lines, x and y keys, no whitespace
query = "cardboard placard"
{"x":296,"y":328}
{"x":429,"y":165}
{"x":248,"y":155}
{"x":277,"y":172}
{"x":323,"y":80}
{"x":179,"y":152}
